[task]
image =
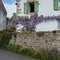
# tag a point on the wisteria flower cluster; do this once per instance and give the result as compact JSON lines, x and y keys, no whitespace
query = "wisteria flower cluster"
{"x":31,"y":22}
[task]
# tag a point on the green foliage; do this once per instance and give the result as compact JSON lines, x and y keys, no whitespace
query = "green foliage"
{"x":15,"y":35}
{"x":26,"y":32}
{"x":11,"y":29}
{"x":4,"y":39}
{"x":58,"y":31}
{"x":13,"y":48}
{"x":54,"y":31}
{"x":26,"y":51}
{"x":41,"y":54}
{"x":40,"y":33}
{"x":18,"y":49}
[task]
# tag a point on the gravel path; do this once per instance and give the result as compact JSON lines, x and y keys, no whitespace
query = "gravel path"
{"x":5,"y":55}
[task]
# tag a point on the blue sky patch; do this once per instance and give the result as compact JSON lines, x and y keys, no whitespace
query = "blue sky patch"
{"x":9,"y":1}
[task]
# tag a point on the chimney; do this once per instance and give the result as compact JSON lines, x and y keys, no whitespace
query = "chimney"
{"x":18,"y":10}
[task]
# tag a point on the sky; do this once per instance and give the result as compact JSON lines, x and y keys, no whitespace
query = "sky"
{"x":10,"y":7}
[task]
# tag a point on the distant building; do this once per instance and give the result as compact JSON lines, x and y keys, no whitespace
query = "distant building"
{"x":3,"y":16}
{"x":14,"y":17}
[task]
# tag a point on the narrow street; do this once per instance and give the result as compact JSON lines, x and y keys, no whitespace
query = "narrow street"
{"x":5,"y":55}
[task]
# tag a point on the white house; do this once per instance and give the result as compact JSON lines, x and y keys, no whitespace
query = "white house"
{"x":41,"y":7}
{"x":3,"y":16}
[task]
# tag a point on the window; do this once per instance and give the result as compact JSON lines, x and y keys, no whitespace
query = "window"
{"x":31,"y":7}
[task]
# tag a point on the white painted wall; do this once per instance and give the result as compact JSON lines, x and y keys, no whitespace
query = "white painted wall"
{"x":47,"y":26}
{"x":22,"y":7}
{"x":58,"y":21}
{"x":46,"y":8}
{"x":2,"y":21}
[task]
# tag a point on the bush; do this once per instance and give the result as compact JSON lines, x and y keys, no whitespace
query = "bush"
{"x":42,"y":54}
{"x":40,"y":34}
{"x":13,"y":48}
{"x":54,"y":31}
{"x":11,"y":29}
{"x":27,"y":51}
{"x":15,"y":35}
{"x":26,"y":31}
{"x":18,"y":49}
{"x":58,"y":31}
{"x":4,"y":40}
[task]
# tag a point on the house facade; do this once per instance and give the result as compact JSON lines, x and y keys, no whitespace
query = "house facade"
{"x":3,"y":16}
{"x":41,"y":7}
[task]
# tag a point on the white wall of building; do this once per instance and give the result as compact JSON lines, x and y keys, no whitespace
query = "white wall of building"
{"x":46,"y":8}
{"x":2,"y":21}
{"x":47,"y":26}
{"x":22,"y":7}
{"x":58,"y":21}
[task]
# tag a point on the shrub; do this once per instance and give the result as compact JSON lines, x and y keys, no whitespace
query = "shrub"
{"x":27,"y":51}
{"x":58,"y":31}
{"x":15,"y":35}
{"x":42,"y":54}
{"x":13,"y":48}
{"x":54,"y":31}
{"x":4,"y":40}
{"x":40,"y":34}
{"x":20,"y":50}
{"x":26,"y":31}
{"x":11,"y":29}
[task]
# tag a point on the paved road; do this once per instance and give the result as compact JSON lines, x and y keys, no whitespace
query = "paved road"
{"x":5,"y":55}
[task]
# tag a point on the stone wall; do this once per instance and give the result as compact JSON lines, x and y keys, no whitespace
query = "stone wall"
{"x":48,"y":41}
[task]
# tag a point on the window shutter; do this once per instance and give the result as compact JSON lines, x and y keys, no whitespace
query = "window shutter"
{"x":36,"y":6}
{"x":55,"y":4}
{"x":25,"y":8}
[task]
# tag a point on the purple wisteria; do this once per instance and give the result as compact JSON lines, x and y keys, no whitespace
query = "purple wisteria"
{"x":31,"y":22}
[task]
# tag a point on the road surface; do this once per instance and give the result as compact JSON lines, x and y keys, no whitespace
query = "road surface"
{"x":5,"y":55}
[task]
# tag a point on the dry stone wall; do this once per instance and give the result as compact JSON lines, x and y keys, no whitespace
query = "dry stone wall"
{"x":48,"y":41}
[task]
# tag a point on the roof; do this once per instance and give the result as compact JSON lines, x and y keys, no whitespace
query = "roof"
{"x":2,"y":8}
